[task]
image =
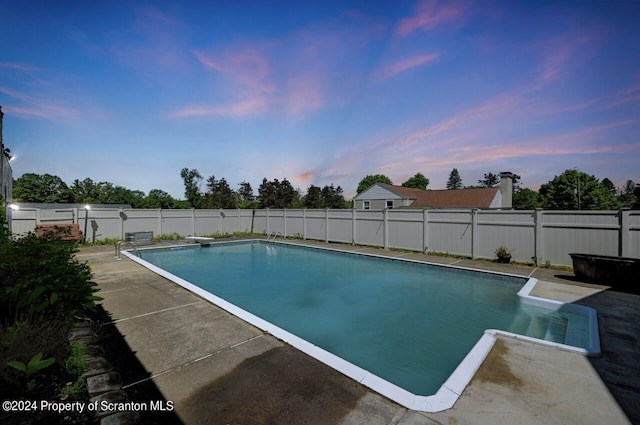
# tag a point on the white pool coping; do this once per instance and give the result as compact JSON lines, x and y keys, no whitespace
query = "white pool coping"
{"x":452,"y":388}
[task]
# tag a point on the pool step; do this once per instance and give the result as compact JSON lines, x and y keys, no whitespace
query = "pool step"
{"x":577,"y":333}
{"x":538,"y":327}
{"x":520,"y":324}
{"x":557,"y":329}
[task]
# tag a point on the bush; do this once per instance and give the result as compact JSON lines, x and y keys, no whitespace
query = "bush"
{"x":42,"y":287}
{"x":40,"y":275}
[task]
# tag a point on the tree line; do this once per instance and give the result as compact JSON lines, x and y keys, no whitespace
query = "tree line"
{"x":217,"y":193}
{"x":46,"y":188}
{"x":571,"y":190}
{"x":271,"y":194}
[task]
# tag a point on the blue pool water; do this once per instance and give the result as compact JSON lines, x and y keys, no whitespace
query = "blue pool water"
{"x":408,"y":323}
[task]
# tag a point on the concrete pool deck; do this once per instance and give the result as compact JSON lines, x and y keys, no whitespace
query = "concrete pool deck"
{"x":218,"y":369}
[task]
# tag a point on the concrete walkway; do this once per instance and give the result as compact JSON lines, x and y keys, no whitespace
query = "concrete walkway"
{"x":218,"y":369}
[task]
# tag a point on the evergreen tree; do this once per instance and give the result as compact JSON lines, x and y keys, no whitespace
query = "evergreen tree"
{"x":628,"y":195}
{"x":332,"y":197}
{"x":211,"y":196}
{"x":608,"y":184}
{"x":489,"y":180}
{"x":313,"y":198}
{"x":455,"y":181}
{"x":246,"y":199}
{"x":228,"y":198}
{"x":276,"y":194}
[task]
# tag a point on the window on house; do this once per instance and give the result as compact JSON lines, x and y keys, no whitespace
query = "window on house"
{"x":366,"y":205}
{"x":389,"y":204}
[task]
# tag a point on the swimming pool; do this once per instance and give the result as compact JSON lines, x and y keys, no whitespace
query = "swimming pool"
{"x":414,"y":332}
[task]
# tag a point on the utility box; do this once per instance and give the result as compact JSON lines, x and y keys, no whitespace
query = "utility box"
{"x":139,"y":238}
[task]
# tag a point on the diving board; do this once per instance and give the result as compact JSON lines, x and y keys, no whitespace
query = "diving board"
{"x":201,"y":240}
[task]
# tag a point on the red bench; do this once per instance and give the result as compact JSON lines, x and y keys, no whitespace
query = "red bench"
{"x":65,"y":232}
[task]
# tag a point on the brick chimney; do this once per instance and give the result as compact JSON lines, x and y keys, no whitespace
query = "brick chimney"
{"x":506,"y":189}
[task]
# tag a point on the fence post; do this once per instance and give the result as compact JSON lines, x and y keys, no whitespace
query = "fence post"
{"x":425,"y":230}
{"x":304,"y":224}
{"x":474,"y":233}
{"x":538,"y":219}
{"x":160,"y":221}
{"x":385,"y":231}
{"x":267,"y":218}
{"x":122,"y":215}
{"x":624,"y":232}
{"x":353,"y":226}
{"x":284,"y":219}
{"x":326,"y":225}
{"x":193,"y":222}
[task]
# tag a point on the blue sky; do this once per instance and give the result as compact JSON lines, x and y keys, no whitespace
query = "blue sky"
{"x":320,"y":92}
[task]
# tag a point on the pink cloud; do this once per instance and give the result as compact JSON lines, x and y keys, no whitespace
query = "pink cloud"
{"x":297,"y":75}
{"x":246,"y":66}
{"x":429,"y":14}
{"x":583,"y":141}
{"x":626,"y":95}
{"x":303,"y":94}
{"x":243,"y":108}
{"x":247,"y":70}
{"x":495,"y":108}
{"x":306,"y":176}
{"x":34,"y":107}
{"x":405,"y":65}
{"x":562,"y":54}
{"x":293,"y":92}
{"x":208,"y":62}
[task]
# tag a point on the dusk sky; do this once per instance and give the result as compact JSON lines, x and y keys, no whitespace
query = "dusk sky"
{"x":320,"y":92}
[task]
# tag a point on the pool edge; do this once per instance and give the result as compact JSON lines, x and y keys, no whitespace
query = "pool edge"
{"x":450,"y":390}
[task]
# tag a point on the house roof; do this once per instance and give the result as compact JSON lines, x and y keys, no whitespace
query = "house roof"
{"x":458,"y":198}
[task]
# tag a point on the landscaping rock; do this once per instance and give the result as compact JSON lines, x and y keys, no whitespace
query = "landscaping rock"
{"x":93,"y":350}
{"x":86,"y":340}
{"x":96,"y":366}
{"x":102,"y":383}
{"x":78,"y":333}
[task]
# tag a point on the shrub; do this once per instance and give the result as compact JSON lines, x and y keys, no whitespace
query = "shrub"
{"x":40,"y":275}
{"x":503,"y":254}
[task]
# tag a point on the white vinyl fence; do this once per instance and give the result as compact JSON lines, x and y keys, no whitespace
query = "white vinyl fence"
{"x":538,"y":235}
